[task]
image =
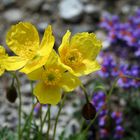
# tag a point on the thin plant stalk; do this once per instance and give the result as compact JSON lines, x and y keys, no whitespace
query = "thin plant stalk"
{"x":85,"y":92}
{"x":108,"y":97}
{"x":49,"y":119}
{"x":20,"y":106}
{"x":57,"y":117}
{"x":44,"y":120}
{"x":40,"y":132}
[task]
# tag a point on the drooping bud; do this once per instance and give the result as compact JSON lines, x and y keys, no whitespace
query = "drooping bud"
{"x":11,"y":94}
{"x":88,"y":111}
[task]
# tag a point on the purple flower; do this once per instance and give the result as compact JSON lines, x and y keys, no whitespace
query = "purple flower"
{"x":103,"y":133}
{"x":117,"y":116}
{"x":109,"y":66}
{"x":119,"y":132}
{"x":123,"y":34}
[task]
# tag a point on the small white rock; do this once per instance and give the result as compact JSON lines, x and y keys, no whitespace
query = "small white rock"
{"x":71,"y":10}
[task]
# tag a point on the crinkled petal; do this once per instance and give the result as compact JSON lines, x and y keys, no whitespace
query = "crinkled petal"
{"x":87,"y":68}
{"x":53,"y":59}
{"x":87,"y":44}
{"x":36,"y":75}
{"x":91,"y":66}
{"x":46,"y":94}
{"x":34,"y":64}
{"x":39,"y":61}
{"x":69,"y":82}
{"x":1,"y":70}
{"x":14,"y":63}
{"x":2,"y":51}
{"x":23,"y":39}
{"x":47,"y":43}
{"x":65,"y":43}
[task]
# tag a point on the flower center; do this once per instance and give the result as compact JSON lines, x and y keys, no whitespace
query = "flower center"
{"x":51,"y":76}
{"x":73,"y":58}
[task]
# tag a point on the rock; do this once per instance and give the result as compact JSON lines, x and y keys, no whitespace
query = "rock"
{"x":26,"y":88}
{"x":93,"y":11}
{"x":13,"y":15}
{"x":8,"y":2}
{"x":71,"y":10}
{"x":126,"y":9}
{"x":33,"y":5}
{"x":90,"y":9}
{"x":82,"y":28}
{"x":47,"y":8}
{"x":42,"y":26}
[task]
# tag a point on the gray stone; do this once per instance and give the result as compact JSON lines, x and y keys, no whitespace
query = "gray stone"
{"x":90,"y":9}
{"x":82,"y":28}
{"x":8,"y":2}
{"x":126,"y":9}
{"x":47,"y":8}
{"x":33,"y":4}
{"x":42,"y":26}
{"x":13,"y":15}
{"x":71,"y":10}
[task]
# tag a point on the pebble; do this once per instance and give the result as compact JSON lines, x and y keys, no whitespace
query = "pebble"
{"x":47,"y":8}
{"x":82,"y":28}
{"x":33,"y":5}
{"x":6,"y":3}
{"x":71,"y":10}
{"x":13,"y":15}
{"x":42,"y":26}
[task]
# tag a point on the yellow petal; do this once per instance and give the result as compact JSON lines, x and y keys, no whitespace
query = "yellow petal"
{"x":46,"y":94}
{"x":91,"y":66}
{"x":23,"y":39}
{"x":1,"y":70}
{"x":2,"y":51}
{"x":14,"y":63}
{"x":69,"y":82}
{"x":53,"y":59}
{"x":47,"y":43}
{"x":87,"y":44}
{"x":34,"y":64}
{"x":36,"y":75}
{"x":65,"y":43}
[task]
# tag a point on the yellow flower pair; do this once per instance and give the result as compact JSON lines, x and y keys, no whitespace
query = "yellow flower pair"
{"x":55,"y":72}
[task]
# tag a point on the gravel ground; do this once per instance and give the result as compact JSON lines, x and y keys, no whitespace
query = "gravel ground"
{"x":76,"y":15}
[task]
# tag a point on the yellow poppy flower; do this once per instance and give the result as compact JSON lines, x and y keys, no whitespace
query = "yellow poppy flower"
{"x":9,"y":62}
{"x":53,"y":78}
{"x":23,"y":40}
{"x":79,"y":54}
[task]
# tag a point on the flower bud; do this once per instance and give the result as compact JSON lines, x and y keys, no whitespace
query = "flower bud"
{"x":11,"y":94}
{"x":88,"y":111}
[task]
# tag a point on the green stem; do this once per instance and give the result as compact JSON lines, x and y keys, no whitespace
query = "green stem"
{"x":49,"y":116}
{"x":112,"y":88}
{"x":40,"y":132}
{"x":85,"y":92}
{"x":44,"y":120}
{"x":91,"y":123}
{"x":108,"y":97}
{"x":30,"y":121}
{"x":57,"y":117}
{"x":20,"y":106}
{"x":31,"y":113}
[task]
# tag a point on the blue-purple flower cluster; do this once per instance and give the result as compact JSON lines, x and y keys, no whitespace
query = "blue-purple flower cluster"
{"x":112,"y":69}
{"x":126,"y":82}
{"x":110,"y":124}
{"x":126,"y":34}
{"x":109,"y":66}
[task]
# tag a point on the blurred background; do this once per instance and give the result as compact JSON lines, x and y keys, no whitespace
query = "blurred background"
{"x":117,"y":24}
